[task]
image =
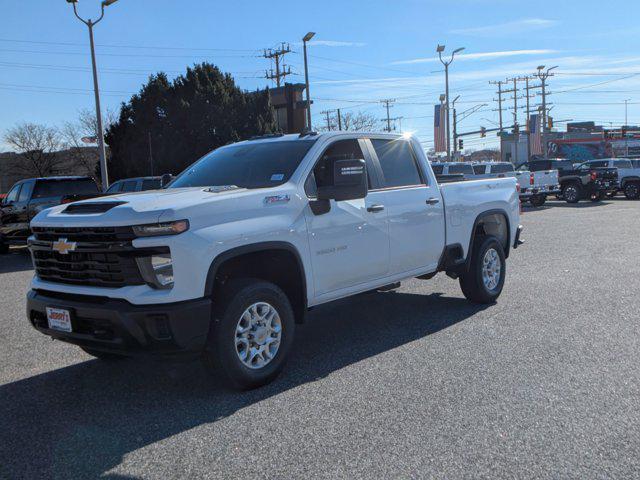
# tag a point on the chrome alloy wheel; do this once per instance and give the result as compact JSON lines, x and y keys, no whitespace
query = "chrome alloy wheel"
{"x":491,"y":269}
{"x":258,"y":335}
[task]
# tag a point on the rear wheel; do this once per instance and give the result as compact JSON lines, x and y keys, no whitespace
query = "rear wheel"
{"x":571,"y":193}
{"x":4,"y":248}
{"x":632,"y":191}
{"x":252,"y":334}
{"x":484,"y":279}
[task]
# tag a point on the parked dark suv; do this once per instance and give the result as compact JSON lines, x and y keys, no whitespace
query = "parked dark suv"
{"x":28,"y":197}
{"x":579,"y":183}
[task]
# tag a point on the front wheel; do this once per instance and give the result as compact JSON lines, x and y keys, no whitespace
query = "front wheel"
{"x":252,"y":334}
{"x":632,"y":191}
{"x":538,"y":200}
{"x":484,"y":279}
{"x":571,"y":193}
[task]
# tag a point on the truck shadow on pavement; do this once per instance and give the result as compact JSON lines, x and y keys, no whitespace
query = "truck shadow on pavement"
{"x":80,"y":421}
{"x":17,"y":260}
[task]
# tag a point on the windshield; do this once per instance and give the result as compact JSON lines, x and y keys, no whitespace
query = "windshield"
{"x":251,"y":165}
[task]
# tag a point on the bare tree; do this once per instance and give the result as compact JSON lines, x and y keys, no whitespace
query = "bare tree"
{"x":38,"y":145}
{"x":359,"y":122}
{"x":78,"y":135}
{"x":356,"y":122}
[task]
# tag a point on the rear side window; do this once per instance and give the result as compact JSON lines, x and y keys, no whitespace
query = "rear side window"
{"x":559,"y":165}
{"x":461,"y":168}
{"x":59,"y":188}
{"x":599,"y":164}
{"x":151,"y":184}
{"x":636,"y":163}
{"x":397,"y":162}
{"x":437,"y":169}
{"x":25,"y":193}
{"x":622,"y":164}
{"x":129,"y":186}
{"x":479,"y":169}
{"x":502,"y":168}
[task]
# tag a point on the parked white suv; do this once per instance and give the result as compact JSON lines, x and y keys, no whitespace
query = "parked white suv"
{"x":224,"y":262}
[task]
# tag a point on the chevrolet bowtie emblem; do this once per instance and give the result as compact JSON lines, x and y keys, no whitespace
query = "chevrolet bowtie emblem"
{"x":62,"y":246}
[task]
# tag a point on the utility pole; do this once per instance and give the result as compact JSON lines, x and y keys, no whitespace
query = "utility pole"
{"x":626,"y":124}
{"x":339,"y":120}
{"x":96,"y":91}
{"x":387,"y":102}
{"x":543,"y":76}
{"x":516,"y":130}
{"x":527,"y":88}
{"x":327,"y":113}
{"x":455,"y":126}
{"x":440,"y":49}
{"x":500,"y":92}
{"x":277,"y":56}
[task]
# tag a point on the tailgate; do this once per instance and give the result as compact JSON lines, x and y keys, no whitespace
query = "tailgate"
{"x":545,"y":178}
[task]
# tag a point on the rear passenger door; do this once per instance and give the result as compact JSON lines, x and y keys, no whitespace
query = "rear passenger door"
{"x":414,"y":207}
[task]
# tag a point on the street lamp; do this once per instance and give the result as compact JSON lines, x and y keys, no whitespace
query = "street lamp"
{"x":543,"y":84}
{"x":100,"y":133}
{"x":305,"y":39}
{"x":440,"y":49}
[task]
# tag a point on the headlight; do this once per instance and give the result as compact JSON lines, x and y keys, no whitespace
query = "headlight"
{"x":157,"y":270}
{"x":167,"y":228}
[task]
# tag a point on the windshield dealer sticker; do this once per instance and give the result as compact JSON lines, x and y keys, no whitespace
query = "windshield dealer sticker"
{"x":271,"y":199}
{"x":277,"y":177}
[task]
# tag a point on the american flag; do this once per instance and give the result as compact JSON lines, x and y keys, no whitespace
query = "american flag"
{"x":439,"y":129}
{"x":535,"y":134}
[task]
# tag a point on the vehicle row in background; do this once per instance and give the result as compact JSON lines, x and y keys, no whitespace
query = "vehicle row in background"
{"x":30,"y":196}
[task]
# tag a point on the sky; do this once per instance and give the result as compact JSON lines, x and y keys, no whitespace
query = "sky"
{"x":363,"y":52}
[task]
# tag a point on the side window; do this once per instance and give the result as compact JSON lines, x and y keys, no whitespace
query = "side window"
{"x":502,"y":168}
{"x":151,"y":184}
{"x":25,"y":193}
{"x":115,"y":187}
{"x":129,"y":186}
{"x":622,"y":164}
{"x":599,"y":164}
{"x":322,"y":174}
{"x":479,"y":169}
{"x":12,"y":196}
{"x":397,"y":162}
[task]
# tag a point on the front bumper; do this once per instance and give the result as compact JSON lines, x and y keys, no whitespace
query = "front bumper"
{"x":116,"y":326}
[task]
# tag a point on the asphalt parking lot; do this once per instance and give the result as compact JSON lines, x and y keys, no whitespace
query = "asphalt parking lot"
{"x":414,"y":383}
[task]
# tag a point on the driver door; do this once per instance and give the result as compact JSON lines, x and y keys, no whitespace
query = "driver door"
{"x":349,"y":244}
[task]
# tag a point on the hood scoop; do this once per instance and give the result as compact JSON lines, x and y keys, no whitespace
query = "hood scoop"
{"x":90,"y":207}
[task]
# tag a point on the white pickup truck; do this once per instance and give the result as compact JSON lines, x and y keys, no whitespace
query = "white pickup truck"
{"x":225,"y":261}
{"x":535,"y":186}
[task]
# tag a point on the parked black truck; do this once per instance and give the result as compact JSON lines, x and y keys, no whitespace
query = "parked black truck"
{"x":30,"y":196}
{"x":579,"y":183}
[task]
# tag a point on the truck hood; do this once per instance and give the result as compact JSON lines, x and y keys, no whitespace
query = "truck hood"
{"x":137,"y":208}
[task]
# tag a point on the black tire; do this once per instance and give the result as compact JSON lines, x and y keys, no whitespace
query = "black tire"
{"x":220,"y":355}
{"x":632,"y":191}
{"x":596,"y":197}
{"x":471,"y":282}
{"x":105,"y":356}
{"x":4,"y":248}
{"x":538,"y":200}
{"x":571,"y":193}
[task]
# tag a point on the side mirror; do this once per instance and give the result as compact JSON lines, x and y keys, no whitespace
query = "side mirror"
{"x":165,"y":180}
{"x":349,"y":180}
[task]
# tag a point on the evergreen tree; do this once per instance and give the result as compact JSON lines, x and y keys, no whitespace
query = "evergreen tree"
{"x":184,"y":119}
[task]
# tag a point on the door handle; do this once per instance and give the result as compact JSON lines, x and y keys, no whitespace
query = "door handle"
{"x":432,"y":201}
{"x":375,"y":208}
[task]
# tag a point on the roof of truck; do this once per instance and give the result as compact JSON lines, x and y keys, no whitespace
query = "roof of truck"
{"x":278,"y":137}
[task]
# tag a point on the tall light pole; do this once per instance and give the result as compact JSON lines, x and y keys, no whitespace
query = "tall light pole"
{"x":100,"y":133}
{"x":440,"y":49}
{"x":305,"y":39}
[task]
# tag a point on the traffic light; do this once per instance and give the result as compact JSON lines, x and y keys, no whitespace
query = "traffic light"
{"x":460,"y":144}
{"x":483,"y":132}
{"x":550,"y":122}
